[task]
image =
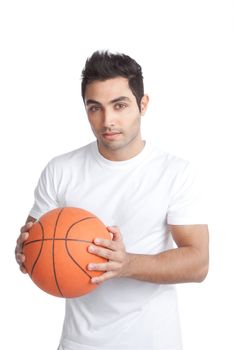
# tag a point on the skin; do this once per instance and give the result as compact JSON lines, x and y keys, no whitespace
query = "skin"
{"x":115,"y":120}
{"x":112,"y":108}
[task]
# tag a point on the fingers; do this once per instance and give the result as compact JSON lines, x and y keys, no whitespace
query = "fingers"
{"x":112,"y":250}
{"x":110,"y":244}
{"x":104,"y":253}
{"x":107,"y":250}
{"x":115,"y":231}
{"x":110,"y":266}
{"x":23,"y":236}
{"x":104,"y":277}
{"x":115,"y":254}
{"x":21,"y":239}
{"x":106,"y":243}
{"x":20,"y":258}
{"x":26,"y":227}
{"x":22,"y":269}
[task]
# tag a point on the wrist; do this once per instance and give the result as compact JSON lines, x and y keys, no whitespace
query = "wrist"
{"x":128,"y":268}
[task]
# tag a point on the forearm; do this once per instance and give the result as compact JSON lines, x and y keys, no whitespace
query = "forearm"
{"x":179,"y":265}
{"x":187,"y":263}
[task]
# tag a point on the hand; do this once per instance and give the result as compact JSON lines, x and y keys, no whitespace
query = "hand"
{"x":112,"y":250}
{"x":20,"y":258}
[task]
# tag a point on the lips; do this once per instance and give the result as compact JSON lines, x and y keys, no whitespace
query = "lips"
{"x":111,"y":135}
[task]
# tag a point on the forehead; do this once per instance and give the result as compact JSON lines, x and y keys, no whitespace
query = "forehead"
{"x":107,"y":90}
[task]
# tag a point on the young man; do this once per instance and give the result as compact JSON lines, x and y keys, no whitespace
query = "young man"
{"x":147,"y":198}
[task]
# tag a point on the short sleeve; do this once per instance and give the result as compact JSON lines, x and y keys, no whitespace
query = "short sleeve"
{"x":188,"y":201}
{"x":45,"y":197}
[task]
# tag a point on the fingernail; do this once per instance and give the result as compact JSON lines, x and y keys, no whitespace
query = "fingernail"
{"x":20,"y":258}
{"x":26,"y":234}
{"x":91,"y":248}
{"x":97,"y":240}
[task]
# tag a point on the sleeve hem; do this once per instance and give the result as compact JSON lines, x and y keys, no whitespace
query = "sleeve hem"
{"x":187,"y":221}
{"x":35,"y":214}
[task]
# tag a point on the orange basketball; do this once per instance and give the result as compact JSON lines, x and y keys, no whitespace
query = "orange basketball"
{"x":56,"y":251}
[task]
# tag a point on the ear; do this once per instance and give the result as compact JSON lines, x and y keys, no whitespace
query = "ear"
{"x":144,"y":104}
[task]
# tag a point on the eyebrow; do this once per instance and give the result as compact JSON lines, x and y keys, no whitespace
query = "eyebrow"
{"x":118,"y":99}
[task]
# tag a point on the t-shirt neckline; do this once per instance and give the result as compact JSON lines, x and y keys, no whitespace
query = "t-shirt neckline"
{"x":122,"y":163}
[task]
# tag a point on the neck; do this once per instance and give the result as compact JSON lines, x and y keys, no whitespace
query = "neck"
{"x":121,"y":153}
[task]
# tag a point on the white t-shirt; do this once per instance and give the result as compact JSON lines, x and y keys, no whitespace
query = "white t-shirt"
{"x":141,"y":196}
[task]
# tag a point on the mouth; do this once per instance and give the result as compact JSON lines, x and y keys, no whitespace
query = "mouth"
{"x":111,"y":135}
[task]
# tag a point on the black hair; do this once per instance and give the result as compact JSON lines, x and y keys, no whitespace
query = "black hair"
{"x":103,"y":65}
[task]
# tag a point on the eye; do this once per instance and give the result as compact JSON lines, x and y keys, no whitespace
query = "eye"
{"x":93,"y":109}
{"x":120,"y":106}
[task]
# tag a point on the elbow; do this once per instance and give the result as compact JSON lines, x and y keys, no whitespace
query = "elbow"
{"x":202,"y":267}
{"x":201,"y":276}
{"x":202,"y":272}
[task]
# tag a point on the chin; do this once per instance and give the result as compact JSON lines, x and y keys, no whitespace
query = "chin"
{"x":111,"y":145}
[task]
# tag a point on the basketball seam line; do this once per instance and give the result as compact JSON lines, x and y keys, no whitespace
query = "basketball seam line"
{"x":41,"y":247}
{"x":53,"y":246}
{"x":56,"y":224}
{"x":67,"y":249}
{"x":57,"y":239}
{"x":53,"y":254}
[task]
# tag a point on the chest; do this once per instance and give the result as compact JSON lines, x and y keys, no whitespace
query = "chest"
{"x":135,"y":201}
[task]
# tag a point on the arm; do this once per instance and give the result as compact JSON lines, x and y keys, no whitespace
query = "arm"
{"x":186,"y":263}
{"x":45,"y":200}
{"x":20,"y":258}
{"x":29,"y":219}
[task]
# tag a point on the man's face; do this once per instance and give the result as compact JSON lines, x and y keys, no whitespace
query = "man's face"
{"x":114,"y":116}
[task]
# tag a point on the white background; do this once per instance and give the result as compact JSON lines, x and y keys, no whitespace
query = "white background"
{"x":186,"y":52}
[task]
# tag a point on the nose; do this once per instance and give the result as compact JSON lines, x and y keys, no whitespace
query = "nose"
{"x":108,"y":118}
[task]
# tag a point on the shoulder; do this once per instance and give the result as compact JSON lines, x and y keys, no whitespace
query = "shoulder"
{"x":180,"y":173}
{"x":167,"y":161}
{"x":72,"y":157}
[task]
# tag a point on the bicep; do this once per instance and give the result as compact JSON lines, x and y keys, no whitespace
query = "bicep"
{"x":45,"y":193}
{"x":196,"y":236}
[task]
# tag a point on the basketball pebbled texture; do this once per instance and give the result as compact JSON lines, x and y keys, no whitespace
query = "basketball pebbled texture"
{"x":56,"y":251}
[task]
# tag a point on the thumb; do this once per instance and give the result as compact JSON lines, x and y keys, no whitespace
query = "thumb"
{"x":115,"y":232}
